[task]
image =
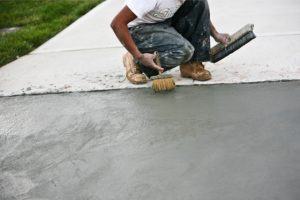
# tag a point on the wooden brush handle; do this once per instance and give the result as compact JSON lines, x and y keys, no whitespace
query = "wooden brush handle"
{"x":157,"y":59}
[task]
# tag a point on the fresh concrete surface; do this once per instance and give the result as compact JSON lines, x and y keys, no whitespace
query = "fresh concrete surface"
{"x":228,"y":142}
{"x":86,"y":54}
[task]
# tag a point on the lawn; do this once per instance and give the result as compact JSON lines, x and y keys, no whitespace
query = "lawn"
{"x":39,"y":20}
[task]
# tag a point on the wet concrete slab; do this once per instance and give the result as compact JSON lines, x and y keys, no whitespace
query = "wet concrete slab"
{"x":226,"y":142}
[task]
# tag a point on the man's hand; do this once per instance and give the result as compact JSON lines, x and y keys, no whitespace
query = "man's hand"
{"x":147,"y":59}
{"x":222,"y":38}
{"x":119,"y":25}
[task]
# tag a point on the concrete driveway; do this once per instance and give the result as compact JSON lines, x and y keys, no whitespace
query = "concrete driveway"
{"x":206,"y":141}
{"x":228,"y":142}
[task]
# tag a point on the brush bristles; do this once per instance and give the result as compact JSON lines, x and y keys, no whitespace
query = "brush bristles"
{"x":166,"y":84}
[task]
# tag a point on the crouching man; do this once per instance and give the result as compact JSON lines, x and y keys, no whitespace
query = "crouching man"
{"x":179,"y":30}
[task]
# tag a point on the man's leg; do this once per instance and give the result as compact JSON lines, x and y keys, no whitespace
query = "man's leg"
{"x":192,"y":21}
{"x":172,"y":47}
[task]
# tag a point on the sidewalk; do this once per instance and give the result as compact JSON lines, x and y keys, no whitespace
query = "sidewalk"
{"x":86,"y":56}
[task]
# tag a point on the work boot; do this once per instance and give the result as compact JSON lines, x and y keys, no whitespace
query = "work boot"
{"x":133,"y":72}
{"x":195,"y":71}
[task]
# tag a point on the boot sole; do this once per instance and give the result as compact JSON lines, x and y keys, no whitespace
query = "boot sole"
{"x":127,"y":62}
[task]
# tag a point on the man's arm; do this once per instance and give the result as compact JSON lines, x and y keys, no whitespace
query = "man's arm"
{"x":223,"y":38}
{"x":119,"y":26}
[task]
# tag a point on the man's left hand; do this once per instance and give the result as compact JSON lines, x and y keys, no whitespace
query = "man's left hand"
{"x":222,"y":38}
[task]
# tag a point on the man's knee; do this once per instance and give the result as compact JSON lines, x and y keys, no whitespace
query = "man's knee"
{"x":177,"y":56}
{"x":188,"y":52}
{"x":182,"y":54}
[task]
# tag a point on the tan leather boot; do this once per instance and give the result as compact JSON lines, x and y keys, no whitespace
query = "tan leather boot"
{"x":133,"y":72}
{"x":195,"y":71}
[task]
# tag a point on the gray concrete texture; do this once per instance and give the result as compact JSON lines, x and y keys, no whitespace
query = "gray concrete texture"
{"x":228,"y":142}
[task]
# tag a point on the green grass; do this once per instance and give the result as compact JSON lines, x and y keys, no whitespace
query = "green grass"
{"x":39,"y":21}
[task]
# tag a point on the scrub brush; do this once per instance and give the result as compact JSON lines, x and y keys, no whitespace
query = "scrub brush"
{"x":162,"y":82}
{"x":237,"y":40}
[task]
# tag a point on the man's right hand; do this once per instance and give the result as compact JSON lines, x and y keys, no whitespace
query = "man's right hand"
{"x":147,"y":59}
{"x":119,"y":25}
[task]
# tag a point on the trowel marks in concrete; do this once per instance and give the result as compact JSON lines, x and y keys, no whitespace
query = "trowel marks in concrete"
{"x":228,"y":142}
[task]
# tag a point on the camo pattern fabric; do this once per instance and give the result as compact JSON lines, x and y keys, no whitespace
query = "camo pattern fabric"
{"x":183,"y":38}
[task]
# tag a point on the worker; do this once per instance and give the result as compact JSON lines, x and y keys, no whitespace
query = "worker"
{"x":179,"y":30}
